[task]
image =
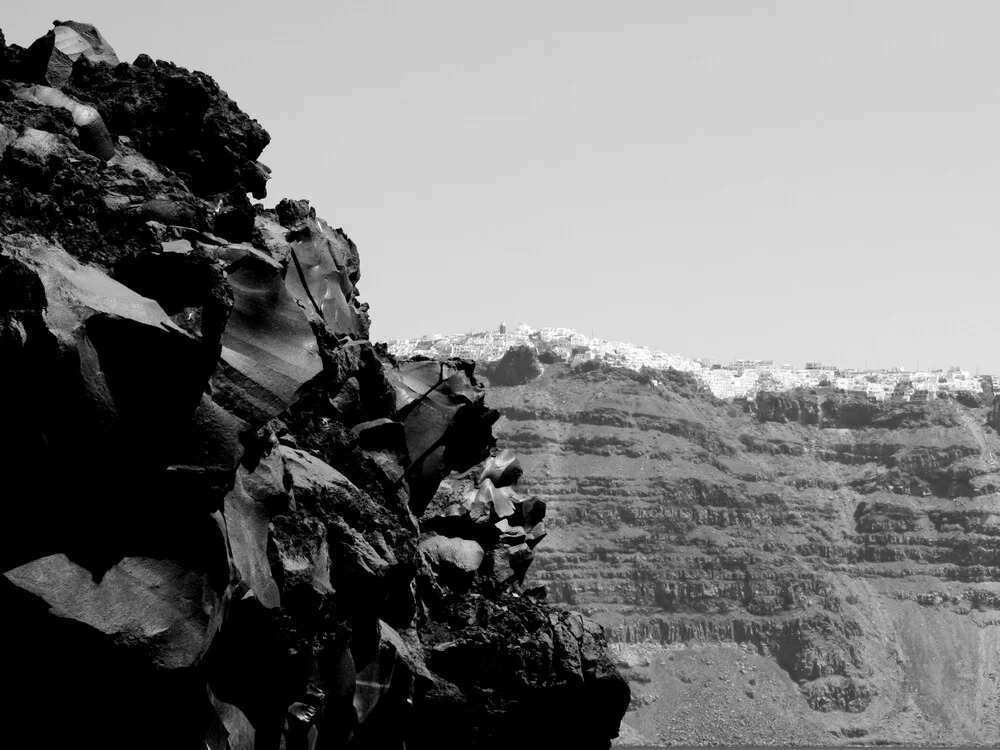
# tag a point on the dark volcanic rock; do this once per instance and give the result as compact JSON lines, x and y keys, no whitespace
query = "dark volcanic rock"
{"x":179,"y":119}
{"x":305,"y":273}
{"x":448,"y":427}
{"x":215,"y":478}
{"x":102,"y":212}
{"x":50,"y":59}
{"x":519,"y":365}
{"x":454,"y":560}
{"x":156,"y":608}
{"x":510,"y":653}
{"x":503,"y":469}
{"x":785,"y":407}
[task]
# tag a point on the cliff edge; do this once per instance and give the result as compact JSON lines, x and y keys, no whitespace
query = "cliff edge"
{"x":235,"y":521}
{"x":807,"y":568}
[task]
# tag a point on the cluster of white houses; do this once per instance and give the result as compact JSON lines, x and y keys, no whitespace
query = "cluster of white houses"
{"x":738,"y":379}
{"x":567,"y":343}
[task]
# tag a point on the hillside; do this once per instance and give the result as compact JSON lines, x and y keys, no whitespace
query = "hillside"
{"x":214,"y":481}
{"x":811,"y":569}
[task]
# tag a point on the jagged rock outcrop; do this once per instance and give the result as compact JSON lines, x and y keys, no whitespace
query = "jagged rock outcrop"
{"x":518,"y":365}
{"x":222,"y":495}
{"x":51,"y":58}
{"x":845,"y":551}
{"x":785,"y":407}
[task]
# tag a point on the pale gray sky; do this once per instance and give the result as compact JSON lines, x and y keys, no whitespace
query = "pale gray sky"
{"x":790,"y":180}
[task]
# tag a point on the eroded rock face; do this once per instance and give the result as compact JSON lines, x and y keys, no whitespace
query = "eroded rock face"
{"x":298,"y":273}
{"x":823,"y":537}
{"x":228,"y":509}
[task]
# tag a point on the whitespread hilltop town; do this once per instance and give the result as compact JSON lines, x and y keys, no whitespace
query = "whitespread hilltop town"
{"x":738,"y":379}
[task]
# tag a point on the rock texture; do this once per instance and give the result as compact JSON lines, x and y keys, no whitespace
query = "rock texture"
{"x":807,"y":568}
{"x":235,"y":521}
{"x":519,"y":365}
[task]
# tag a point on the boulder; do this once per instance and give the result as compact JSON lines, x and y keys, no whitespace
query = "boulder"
{"x":461,"y":555}
{"x":448,"y":426}
{"x":508,"y":565}
{"x":536,"y":534}
{"x":94,"y":136}
{"x":156,"y":608}
{"x":50,"y":58}
{"x":503,"y":469}
{"x":491,"y":503}
{"x":513,"y":536}
{"x":528,"y":512}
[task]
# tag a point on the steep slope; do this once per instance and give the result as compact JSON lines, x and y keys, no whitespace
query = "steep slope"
{"x":216,"y":486}
{"x":849,"y":552}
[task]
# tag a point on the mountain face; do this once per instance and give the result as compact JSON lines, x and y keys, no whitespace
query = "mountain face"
{"x":233,"y":521}
{"x":807,"y":569}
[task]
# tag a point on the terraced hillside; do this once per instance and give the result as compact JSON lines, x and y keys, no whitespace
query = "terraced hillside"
{"x":810,"y":569}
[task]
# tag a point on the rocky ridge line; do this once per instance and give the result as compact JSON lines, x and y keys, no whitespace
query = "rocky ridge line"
{"x":238,"y":522}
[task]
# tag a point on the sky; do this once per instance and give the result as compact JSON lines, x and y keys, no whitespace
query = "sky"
{"x":797,"y":180}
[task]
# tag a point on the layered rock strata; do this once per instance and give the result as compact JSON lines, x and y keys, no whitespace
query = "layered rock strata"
{"x":853,"y":546}
{"x":232,"y":514}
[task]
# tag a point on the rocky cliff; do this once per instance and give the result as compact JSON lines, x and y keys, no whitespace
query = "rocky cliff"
{"x":806,"y":569}
{"x":234,"y":521}
{"x":519,"y":365}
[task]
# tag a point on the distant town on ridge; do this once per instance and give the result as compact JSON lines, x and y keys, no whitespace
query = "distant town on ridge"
{"x":742,"y":378}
